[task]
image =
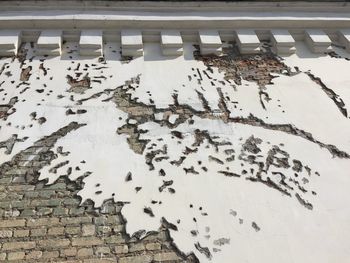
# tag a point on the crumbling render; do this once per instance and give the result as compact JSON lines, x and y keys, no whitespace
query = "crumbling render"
{"x":330,"y":93}
{"x":78,"y":86}
{"x":144,"y":113}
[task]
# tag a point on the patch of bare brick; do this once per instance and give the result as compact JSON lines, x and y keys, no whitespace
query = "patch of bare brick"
{"x":48,"y":223}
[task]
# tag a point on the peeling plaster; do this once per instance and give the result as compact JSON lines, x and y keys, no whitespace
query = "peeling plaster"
{"x":231,"y":154}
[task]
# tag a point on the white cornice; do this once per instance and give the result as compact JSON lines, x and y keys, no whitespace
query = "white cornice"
{"x":237,"y":6}
{"x":167,"y":15}
{"x":124,"y":19}
{"x":257,"y":20}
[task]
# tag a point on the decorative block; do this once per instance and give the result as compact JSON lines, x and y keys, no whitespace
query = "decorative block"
{"x":282,"y":41}
{"x":171,"y":42}
{"x":210,"y":42}
{"x":132,"y":44}
{"x":317,"y":40}
{"x":9,"y":42}
{"x":49,"y":42}
{"x":90,"y":43}
{"x":344,"y":38}
{"x":247,"y":41}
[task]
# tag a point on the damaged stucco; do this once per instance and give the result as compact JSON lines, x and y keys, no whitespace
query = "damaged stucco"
{"x":228,"y":154}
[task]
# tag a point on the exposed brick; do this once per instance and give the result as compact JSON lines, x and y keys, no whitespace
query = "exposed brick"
{"x":76,"y":211}
{"x":72,"y":230}
{"x":20,"y":188}
{"x":75,"y":220}
{"x":71,"y":201}
{"x":56,"y":186}
{"x":31,"y":194}
{"x":136,"y":247}
{"x":50,"y":254}
{"x":15,"y":256}
{"x":121,"y":249}
{"x":108,"y":208}
{"x":34,"y":254}
{"x":21,"y":233}
{"x":69,"y":252}
{"x":70,"y":261}
{"x":86,"y":241}
{"x":43,"y":211}
{"x":88,"y":230}
{"x":46,"y":193}
{"x":116,"y":239}
{"x":12,"y":223}
{"x":28,"y":212}
{"x":85,"y":252}
{"x":153,"y":246}
{"x":54,"y":243}
{"x":18,"y":245}
{"x":2,"y":256}
{"x":118,"y":228}
{"x":100,"y":260}
{"x":13,"y":196}
{"x":6,"y":180}
{"x":104,"y":229}
{"x":5,"y":233}
{"x":106,"y":220}
{"x":102,"y":251}
{"x":136,"y":259}
{"x":38,"y":232}
{"x":59,"y":211}
{"x":46,"y":203}
{"x":11,"y":213}
{"x":168,"y":256}
{"x":43,"y":222}
{"x":55,"y":231}
{"x":17,"y":171}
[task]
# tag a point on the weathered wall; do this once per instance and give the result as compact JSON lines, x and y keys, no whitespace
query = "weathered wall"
{"x":128,"y":158}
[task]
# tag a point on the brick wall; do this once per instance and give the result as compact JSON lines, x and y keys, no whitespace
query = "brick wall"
{"x":45,"y":223}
